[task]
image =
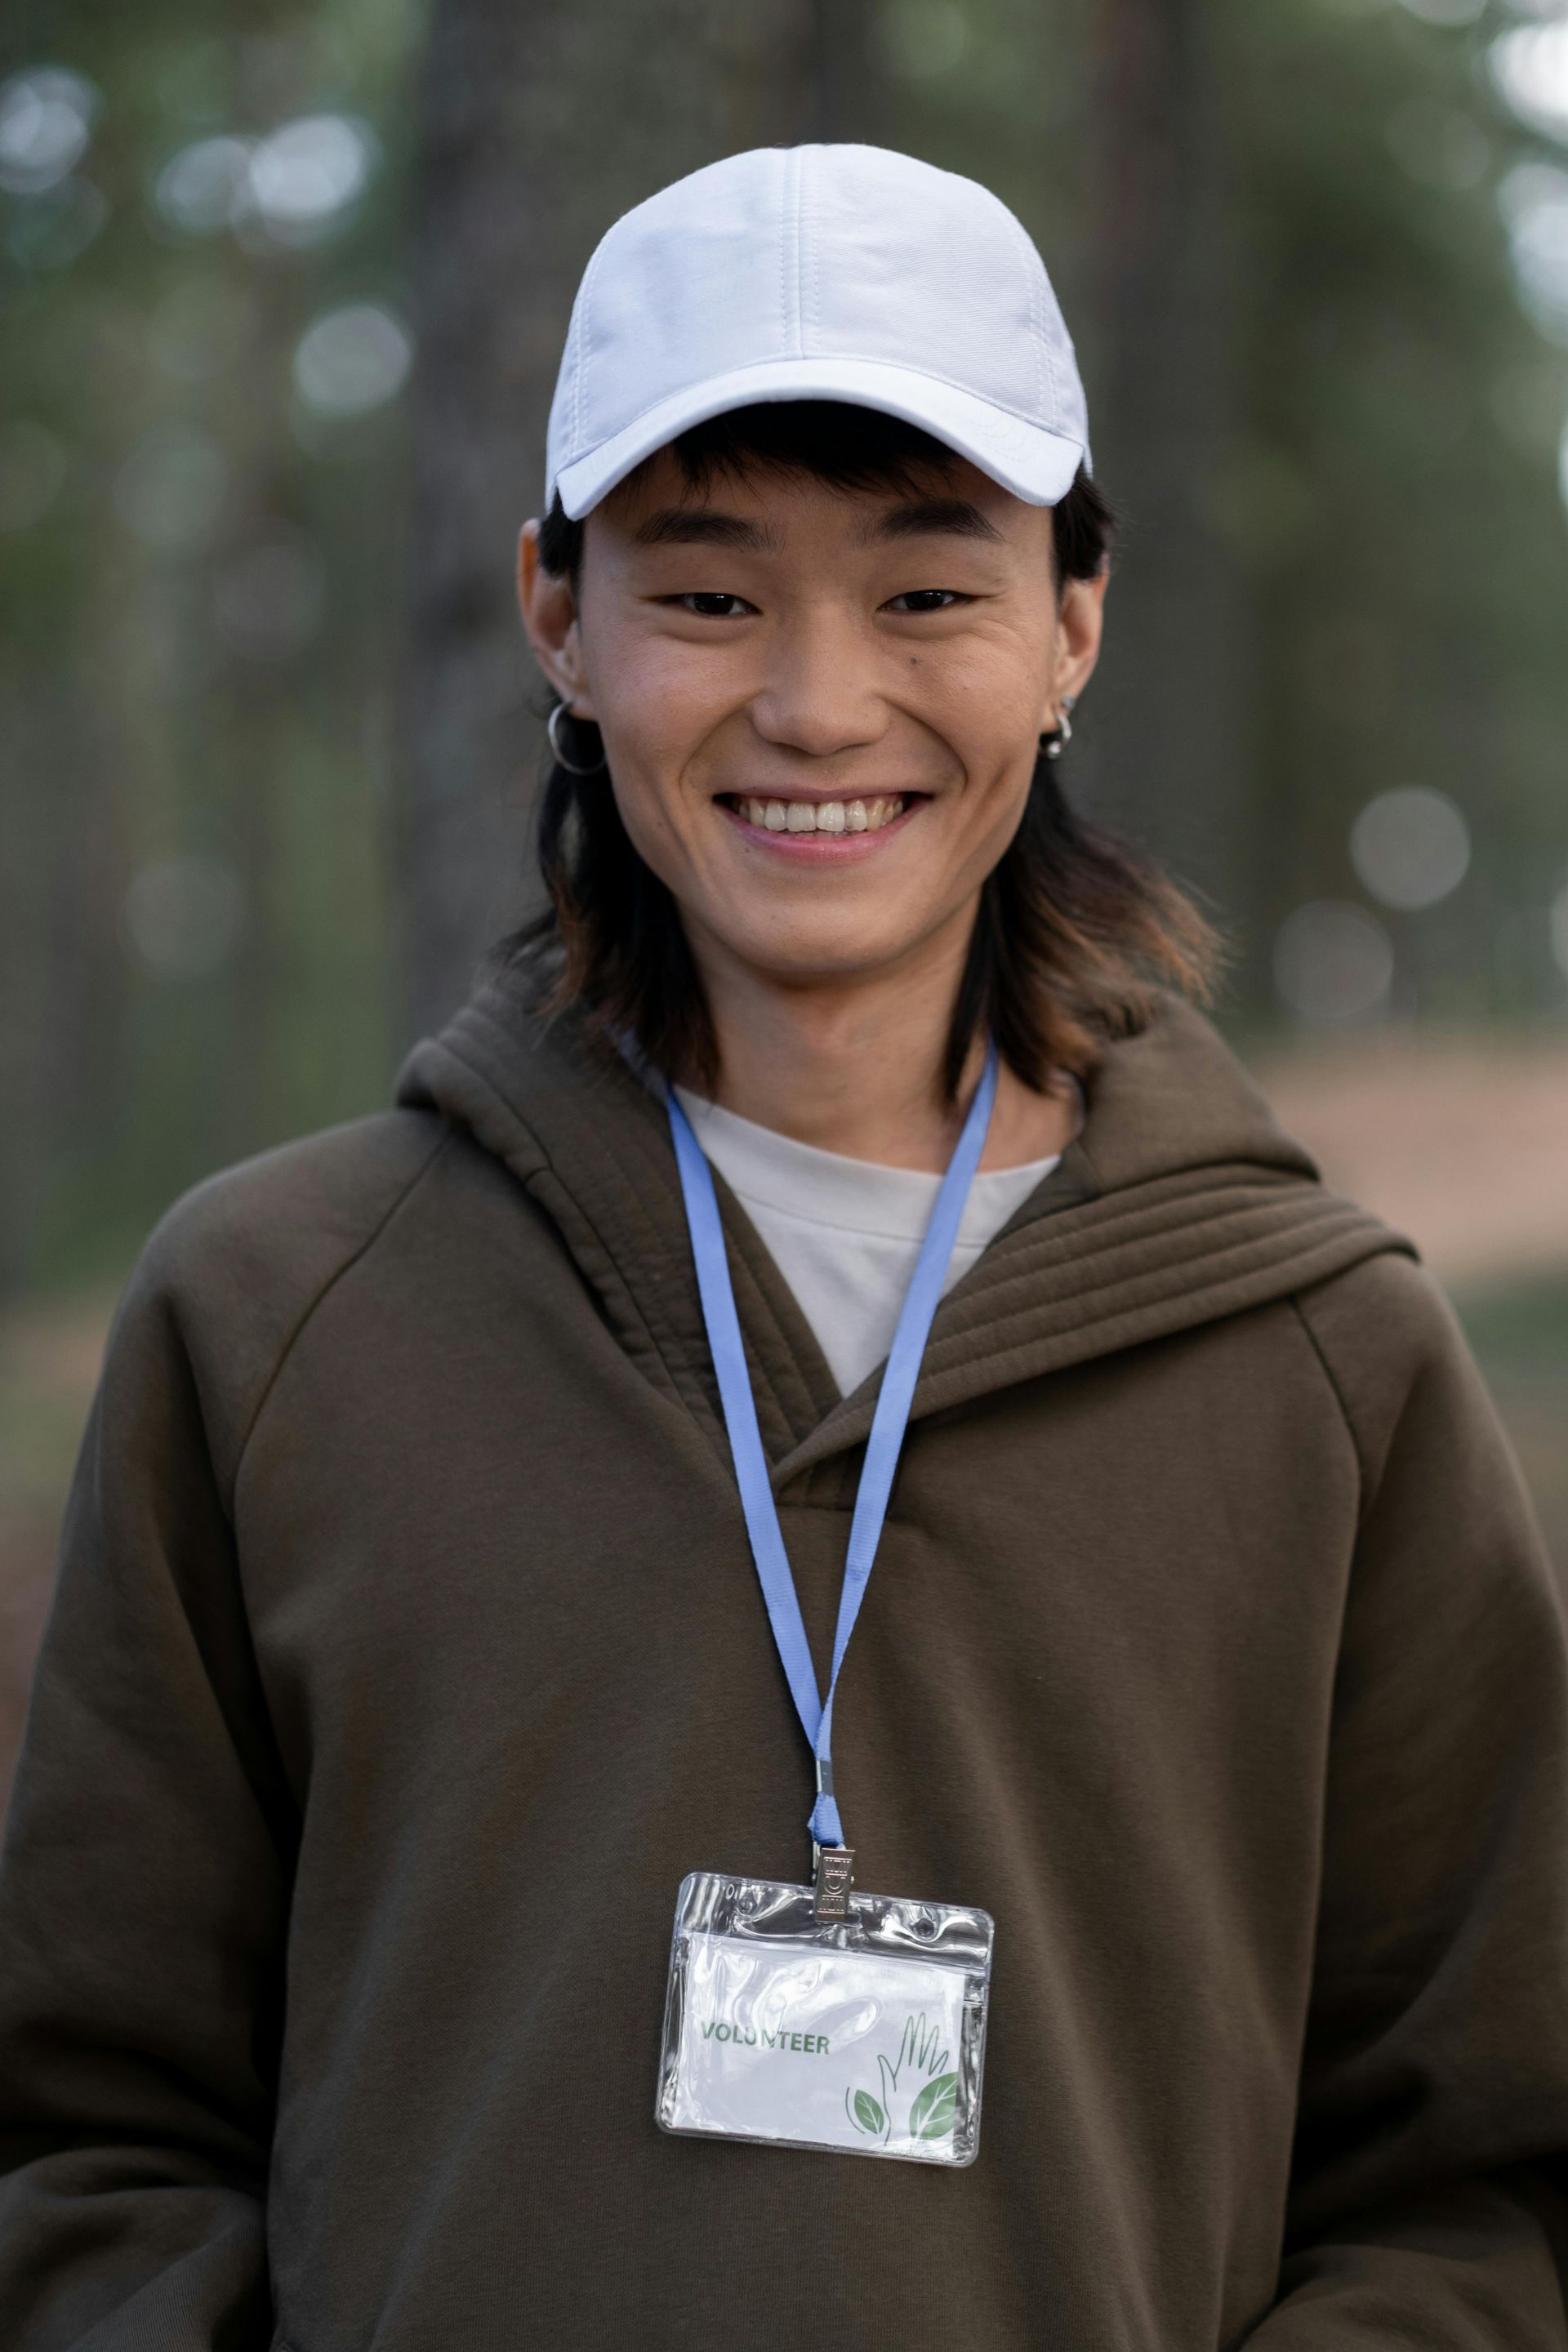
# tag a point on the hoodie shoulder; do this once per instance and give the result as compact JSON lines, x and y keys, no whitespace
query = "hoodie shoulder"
{"x":1391,"y":1346}
{"x":233,"y":1270}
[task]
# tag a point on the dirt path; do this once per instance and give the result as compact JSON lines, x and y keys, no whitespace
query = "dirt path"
{"x":1461,"y":1144}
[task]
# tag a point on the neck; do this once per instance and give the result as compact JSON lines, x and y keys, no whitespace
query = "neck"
{"x":855,"y":1066}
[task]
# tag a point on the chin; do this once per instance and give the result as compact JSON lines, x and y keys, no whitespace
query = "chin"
{"x":796,"y":955}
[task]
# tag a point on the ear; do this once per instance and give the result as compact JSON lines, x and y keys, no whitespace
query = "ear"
{"x":550,"y":615}
{"x":1080,"y":624}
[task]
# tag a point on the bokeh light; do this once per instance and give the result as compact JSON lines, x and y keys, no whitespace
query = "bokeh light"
{"x":183,"y":915}
{"x":1333,"y":963}
{"x":295,"y":186}
{"x":1530,"y":67}
{"x":307,"y":174}
{"x":202,"y":189}
{"x":1534,"y":200}
{"x":352,"y":360}
{"x":1411,"y":847}
{"x":46,"y":123}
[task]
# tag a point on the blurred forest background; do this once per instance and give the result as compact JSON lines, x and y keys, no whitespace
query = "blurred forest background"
{"x":283,"y":294}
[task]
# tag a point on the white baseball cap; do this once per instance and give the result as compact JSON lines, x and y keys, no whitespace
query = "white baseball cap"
{"x":818,"y":273}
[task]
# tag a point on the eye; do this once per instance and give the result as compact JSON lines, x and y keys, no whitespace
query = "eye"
{"x":927,"y":600}
{"x":714,"y":604}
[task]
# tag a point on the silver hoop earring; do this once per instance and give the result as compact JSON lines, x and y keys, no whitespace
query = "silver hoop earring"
{"x":571,"y":766}
{"x":1056,"y":742}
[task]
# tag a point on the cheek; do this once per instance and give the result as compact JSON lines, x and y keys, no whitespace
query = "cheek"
{"x":985,"y":823}
{"x":996,"y":744}
{"x":657,"y":707}
{"x":990,"y":710}
{"x":655,"y":711}
{"x":655,"y":694}
{"x":989,"y":698}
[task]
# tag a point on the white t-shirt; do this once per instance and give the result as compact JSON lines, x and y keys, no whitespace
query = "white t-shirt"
{"x":845,"y":1233}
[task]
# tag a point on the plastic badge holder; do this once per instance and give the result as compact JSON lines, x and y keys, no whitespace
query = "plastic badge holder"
{"x":866,"y":2036}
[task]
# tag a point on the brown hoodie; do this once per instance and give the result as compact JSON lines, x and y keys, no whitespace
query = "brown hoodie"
{"x":407,"y":1653}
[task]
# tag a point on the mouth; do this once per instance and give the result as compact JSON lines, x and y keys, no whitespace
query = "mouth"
{"x":791,"y":822}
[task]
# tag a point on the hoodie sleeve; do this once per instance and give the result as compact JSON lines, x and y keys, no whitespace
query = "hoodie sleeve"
{"x":142,"y":1900}
{"x":147,"y":1873}
{"x":1427,"y":2196}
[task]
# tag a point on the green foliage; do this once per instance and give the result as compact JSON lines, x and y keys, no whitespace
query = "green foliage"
{"x":199,"y":609}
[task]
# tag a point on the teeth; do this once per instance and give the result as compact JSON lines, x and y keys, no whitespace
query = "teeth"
{"x":823,"y":817}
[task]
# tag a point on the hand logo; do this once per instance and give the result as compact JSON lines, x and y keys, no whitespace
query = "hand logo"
{"x":935,"y":2105}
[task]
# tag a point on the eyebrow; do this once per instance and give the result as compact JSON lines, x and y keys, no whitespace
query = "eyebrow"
{"x":704,"y":526}
{"x":955,"y":517}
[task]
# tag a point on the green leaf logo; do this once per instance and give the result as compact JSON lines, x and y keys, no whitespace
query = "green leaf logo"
{"x":867,"y":2113}
{"x":931,"y":2117}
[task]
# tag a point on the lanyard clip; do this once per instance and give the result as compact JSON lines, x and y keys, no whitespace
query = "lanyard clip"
{"x":832,"y":1866}
{"x":835,"y":1876}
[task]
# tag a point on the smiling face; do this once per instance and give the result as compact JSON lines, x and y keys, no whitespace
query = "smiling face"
{"x":820,"y":708}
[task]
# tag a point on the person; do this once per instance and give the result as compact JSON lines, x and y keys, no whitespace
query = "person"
{"x":407,"y":1653}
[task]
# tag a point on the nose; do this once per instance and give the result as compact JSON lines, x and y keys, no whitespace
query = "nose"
{"x":820,"y":694}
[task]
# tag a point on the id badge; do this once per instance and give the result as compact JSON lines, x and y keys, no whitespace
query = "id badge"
{"x":864,"y":2035}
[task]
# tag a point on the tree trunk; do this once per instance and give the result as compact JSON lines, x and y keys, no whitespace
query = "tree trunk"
{"x":1166,"y":750}
{"x":543,"y":120}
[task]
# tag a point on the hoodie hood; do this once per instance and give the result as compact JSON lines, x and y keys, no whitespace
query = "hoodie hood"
{"x":1180,"y":1202}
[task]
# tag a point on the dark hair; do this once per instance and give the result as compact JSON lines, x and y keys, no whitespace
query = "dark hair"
{"x":1075,"y":929}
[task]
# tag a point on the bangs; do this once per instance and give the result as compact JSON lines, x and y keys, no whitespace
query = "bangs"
{"x":848,"y":448}
{"x":834,"y":442}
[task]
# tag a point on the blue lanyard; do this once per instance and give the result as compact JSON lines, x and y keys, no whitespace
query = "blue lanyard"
{"x":882,"y":1447}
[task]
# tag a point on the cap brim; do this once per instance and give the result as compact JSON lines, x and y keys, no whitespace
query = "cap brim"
{"x":1035,"y":465}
